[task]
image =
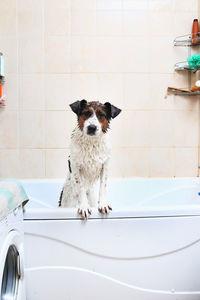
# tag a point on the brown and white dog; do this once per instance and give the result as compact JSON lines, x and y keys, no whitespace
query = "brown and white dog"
{"x":89,"y":156}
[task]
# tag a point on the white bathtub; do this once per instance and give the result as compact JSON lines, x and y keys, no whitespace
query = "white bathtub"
{"x":148,"y":247}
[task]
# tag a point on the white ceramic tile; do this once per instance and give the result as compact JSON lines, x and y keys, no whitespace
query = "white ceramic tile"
{"x":136,"y":91}
{"x":9,"y":50}
{"x":83,"y":5}
{"x":136,"y":5}
{"x":135,"y":54}
{"x":162,"y":162}
{"x":161,"y":53}
{"x":186,"y":162}
{"x":185,"y":6}
{"x":110,"y":89}
{"x":186,"y":129}
{"x":83,"y":22}
{"x":109,"y":5}
{"x":84,"y":58}
{"x":58,"y":129}
{"x":11,"y":91}
{"x":60,"y":168}
{"x":9,"y":129}
{"x":161,"y":128}
{"x":160,"y":5}
{"x":31,"y":55}
{"x":57,"y":91}
{"x":32,"y":129}
{"x":161,"y":25}
{"x":32,"y":163}
{"x":84,"y":86}
{"x":9,"y":162}
{"x":136,"y":162}
{"x":109,"y":54}
{"x":158,"y":91}
{"x":136,"y":128}
{"x":8,"y":17}
{"x":182,"y":22}
{"x":109,"y":23}
{"x":116,"y":131}
{"x":116,"y":164}
{"x":32,"y":92}
{"x":30,"y":18}
{"x":57,"y":17}
{"x":57,"y":54}
{"x":135,"y":23}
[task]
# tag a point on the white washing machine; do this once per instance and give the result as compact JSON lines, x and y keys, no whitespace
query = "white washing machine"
{"x":12,"y":285}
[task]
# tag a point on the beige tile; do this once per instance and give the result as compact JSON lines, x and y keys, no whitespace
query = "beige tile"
{"x":158,"y":90}
{"x":84,"y":86}
{"x":136,"y":91}
{"x":86,"y":4}
{"x":57,"y":91}
{"x":11,"y":91}
{"x":160,"y":5}
{"x":9,"y":50}
{"x":84,"y":58}
{"x":135,"y":23}
{"x":9,"y":162}
{"x":185,"y":6}
{"x":57,"y":17}
{"x":116,"y":164}
{"x":110,"y":89}
{"x":32,"y":92}
{"x":135,"y":54}
{"x":83,"y":22}
{"x":58,"y":129}
{"x":182,"y":22}
{"x":158,"y":62}
{"x":162,"y":162}
{"x":161,"y":25}
{"x":136,"y":162}
{"x":136,"y":128}
{"x":31,"y":55}
{"x":186,"y":129}
{"x":109,"y":5}
{"x":32,"y":129}
{"x":57,"y":163}
{"x":57,"y":54}
{"x":9,"y":129}
{"x":32,"y":163}
{"x":30,"y":18}
{"x":186,"y":162}
{"x":116,"y":131}
{"x":108,"y":60}
{"x":135,"y":5}
{"x":8,"y":17}
{"x":162,"y":128}
{"x":109,"y":23}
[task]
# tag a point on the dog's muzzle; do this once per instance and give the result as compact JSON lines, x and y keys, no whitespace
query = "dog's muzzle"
{"x":91,"y":130}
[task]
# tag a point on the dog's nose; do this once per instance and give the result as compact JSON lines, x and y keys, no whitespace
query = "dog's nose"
{"x":92,"y":129}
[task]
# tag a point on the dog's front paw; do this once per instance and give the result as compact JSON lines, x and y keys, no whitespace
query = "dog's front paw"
{"x":84,"y":211}
{"x":104,"y":208}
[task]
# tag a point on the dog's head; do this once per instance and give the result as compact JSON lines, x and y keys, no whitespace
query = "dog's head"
{"x":94,"y":117}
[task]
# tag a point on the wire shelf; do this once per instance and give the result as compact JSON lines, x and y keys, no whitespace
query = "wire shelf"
{"x":183,"y":65}
{"x":187,"y":40}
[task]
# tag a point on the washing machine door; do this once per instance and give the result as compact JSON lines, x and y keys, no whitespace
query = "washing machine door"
{"x":12,"y":281}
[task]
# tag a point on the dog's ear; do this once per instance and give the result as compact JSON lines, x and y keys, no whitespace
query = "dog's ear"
{"x":78,"y":106}
{"x":112,"y":110}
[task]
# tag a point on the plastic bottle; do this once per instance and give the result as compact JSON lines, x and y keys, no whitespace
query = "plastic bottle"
{"x":195,"y":32}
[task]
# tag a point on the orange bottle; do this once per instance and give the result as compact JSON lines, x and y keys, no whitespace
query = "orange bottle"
{"x":0,"y":91}
{"x":195,"y":32}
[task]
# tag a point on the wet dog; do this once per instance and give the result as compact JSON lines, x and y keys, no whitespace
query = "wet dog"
{"x":89,"y":157}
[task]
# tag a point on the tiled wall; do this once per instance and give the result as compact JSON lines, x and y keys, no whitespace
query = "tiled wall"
{"x":58,"y":51}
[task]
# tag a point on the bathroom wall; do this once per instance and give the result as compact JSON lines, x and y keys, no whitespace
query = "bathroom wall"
{"x":59,"y":51}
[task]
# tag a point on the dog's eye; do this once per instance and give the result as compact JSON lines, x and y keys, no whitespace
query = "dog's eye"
{"x":86,"y":113}
{"x":100,"y":115}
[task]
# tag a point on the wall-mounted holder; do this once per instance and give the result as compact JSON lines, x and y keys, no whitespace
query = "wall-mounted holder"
{"x":185,"y":41}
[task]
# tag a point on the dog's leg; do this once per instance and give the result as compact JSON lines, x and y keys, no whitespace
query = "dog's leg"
{"x":103,"y":204}
{"x":91,"y":197}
